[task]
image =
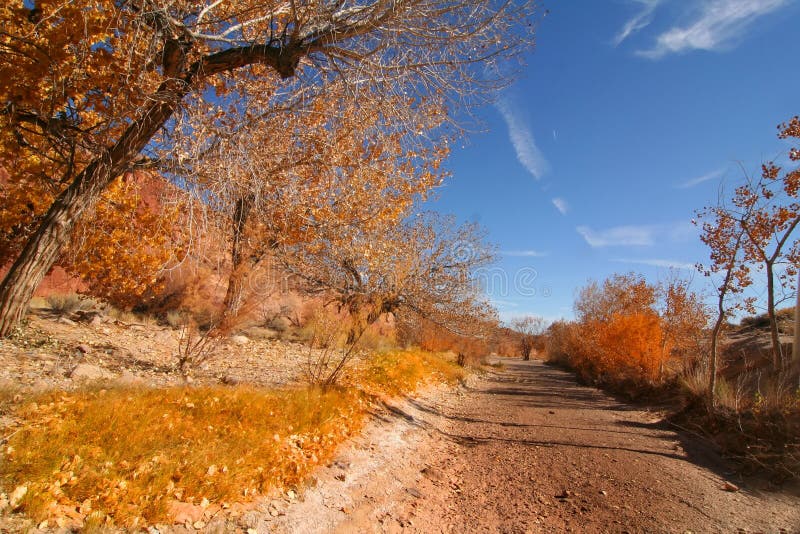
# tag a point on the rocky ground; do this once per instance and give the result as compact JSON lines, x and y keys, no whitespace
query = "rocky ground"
{"x":529,"y":450}
{"x":64,"y":351}
{"x":520,"y":449}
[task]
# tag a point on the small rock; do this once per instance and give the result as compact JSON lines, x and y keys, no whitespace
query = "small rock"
{"x":291,"y":494}
{"x":551,"y":412}
{"x":252,"y":531}
{"x":603,"y":493}
{"x":68,"y":322}
{"x":240,"y":340}
{"x":414,"y":492}
{"x":83,"y":349}
{"x":199,"y":525}
{"x":212,"y":470}
{"x":231,"y":380}
{"x":87,"y":371}
{"x":730,"y":487}
{"x":184,"y":512}
{"x":15,"y":499}
{"x":43,"y":524}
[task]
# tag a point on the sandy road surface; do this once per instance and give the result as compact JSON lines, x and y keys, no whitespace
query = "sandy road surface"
{"x":527,"y":449}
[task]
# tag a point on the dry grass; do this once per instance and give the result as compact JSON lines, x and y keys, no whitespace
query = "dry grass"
{"x":403,"y":371}
{"x":125,"y":454}
{"x":120,"y":457}
{"x":66,"y":303}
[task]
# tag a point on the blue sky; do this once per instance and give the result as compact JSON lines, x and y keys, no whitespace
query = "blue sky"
{"x":628,"y":117}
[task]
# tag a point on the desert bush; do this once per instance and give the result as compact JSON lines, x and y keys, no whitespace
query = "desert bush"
{"x":374,"y":340}
{"x":66,"y":303}
{"x":328,"y":349}
{"x":694,"y":381}
{"x":628,"y":332}
{"x":174,"y":318}
{"x":129,"y":317}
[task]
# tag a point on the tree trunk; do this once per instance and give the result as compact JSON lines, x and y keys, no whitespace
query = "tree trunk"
{"x":712,"y":358}
{"x":777,"y":350}
{"x":235,"y":292}
{"x":42,"y":249}
{"x":796,"y":342}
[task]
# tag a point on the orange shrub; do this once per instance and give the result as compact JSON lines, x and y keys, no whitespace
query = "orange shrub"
{"x":630,"y":346}
{"x":628,"y":329}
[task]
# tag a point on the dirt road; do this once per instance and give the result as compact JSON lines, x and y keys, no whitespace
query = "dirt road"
{"x":527,"y":449}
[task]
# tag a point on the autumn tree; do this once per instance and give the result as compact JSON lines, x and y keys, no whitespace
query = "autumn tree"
{"x":336,"y":164}
{"x":754,"y":232}
{"x":618,"y":332}
{"x":123,"y":247}
{"x":684,"y":321}
{"x":90,"y":90}
{"x":120,"y":250}
{"x":621,"y":294}
{"x":528,"y":328}
{"x":724,"y":235}
{"x":423,"y":267}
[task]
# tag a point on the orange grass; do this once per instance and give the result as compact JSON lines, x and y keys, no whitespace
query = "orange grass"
{"x":120,"y":457}
{"x":403,"y":371}
{"x":126,"y":453}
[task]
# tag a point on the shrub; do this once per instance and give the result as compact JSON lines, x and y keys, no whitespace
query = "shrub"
{"x":67,"y":303}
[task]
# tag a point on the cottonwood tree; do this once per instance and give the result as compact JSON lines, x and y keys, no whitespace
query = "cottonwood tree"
{"x":529,"y":328}
{"x":120,"y":250}
{"x":684,"y":321}
{"x":619,"y":330}
{"x":620,"y":294}
{"x":89,"y":89}
{"x":424,"y":267}
{"x":723,"y":233}
{"x":766,"y":212}
{"x":336,"y":164}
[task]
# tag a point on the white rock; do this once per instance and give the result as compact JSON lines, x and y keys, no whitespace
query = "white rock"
{"x":17,"y":495}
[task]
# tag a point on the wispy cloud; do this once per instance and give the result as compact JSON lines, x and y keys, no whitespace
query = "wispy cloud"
{"x":504,"y":303}
{"x":561,"y":205}
{"x":655,"y":262}
{"x":523,"y":253}
{"x":639,"y":21}
{"x":619,"y":236}
{"x":713,"y":175}
{"x":522,"y":140}
{"x":715,"y":25}
{"x":643,"y":235}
